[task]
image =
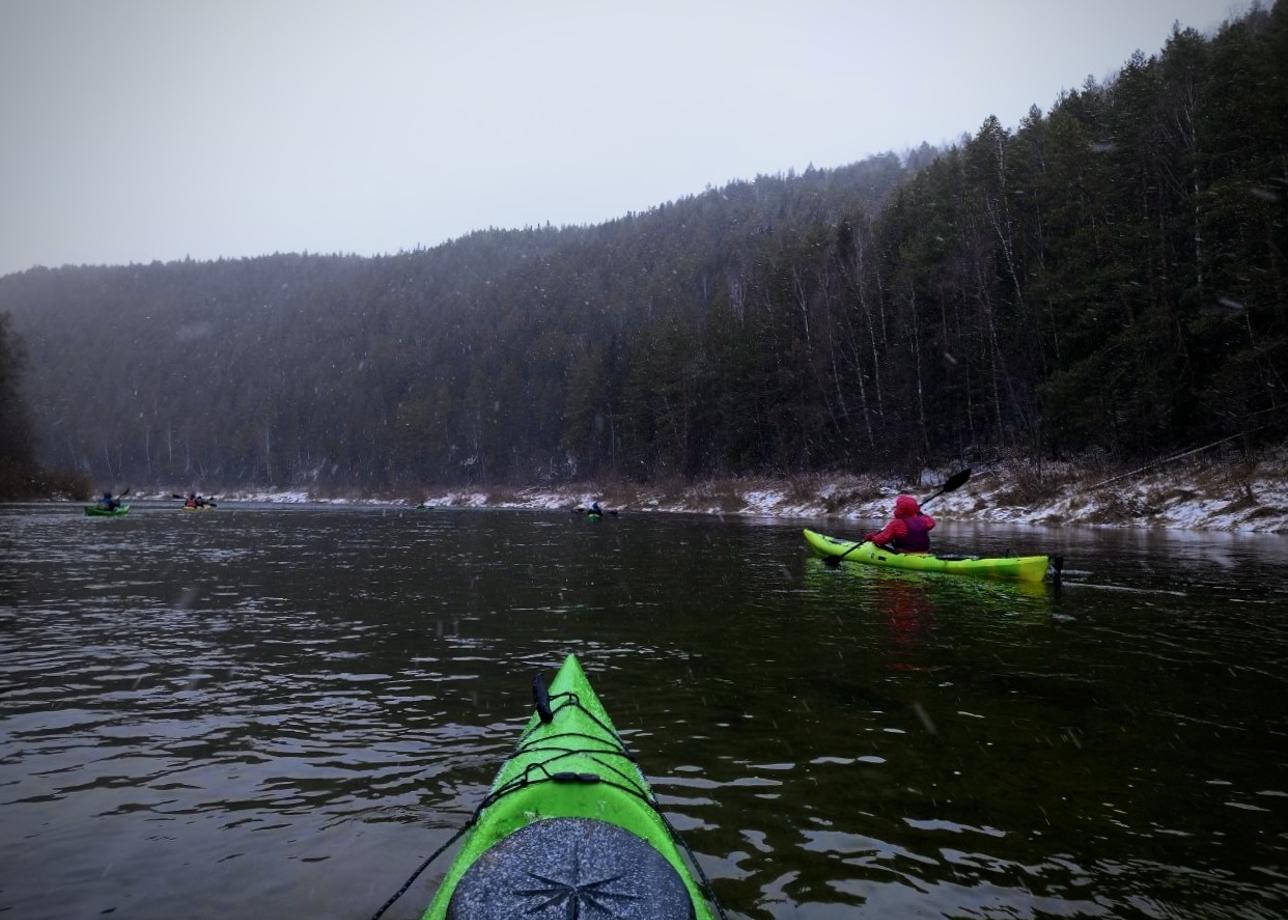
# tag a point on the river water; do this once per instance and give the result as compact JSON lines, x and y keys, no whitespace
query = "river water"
{"x":269,"y":712}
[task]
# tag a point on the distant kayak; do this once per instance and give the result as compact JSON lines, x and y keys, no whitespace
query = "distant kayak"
{"x":570,"y":823}
{"x":198,"y":508}
{"x":96,"y":511}
{"x":1022,"y":568}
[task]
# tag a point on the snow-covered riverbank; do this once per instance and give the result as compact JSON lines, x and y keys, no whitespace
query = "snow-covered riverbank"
{"x":1211,"y":496}
{"x":1186,"y":500}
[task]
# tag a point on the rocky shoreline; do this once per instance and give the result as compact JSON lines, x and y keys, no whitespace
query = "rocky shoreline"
{"x":1235,"y":496}
{"x":1205,"y":498}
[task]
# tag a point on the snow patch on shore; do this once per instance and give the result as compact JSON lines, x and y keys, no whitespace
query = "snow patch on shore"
{"x":1198,"y":499}
{"x":456,"y":500}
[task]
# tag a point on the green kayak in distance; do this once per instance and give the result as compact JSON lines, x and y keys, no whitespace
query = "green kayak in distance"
{"x":570,"y":827}
{"x":1021,"y":568}
{"x":96,"y":511}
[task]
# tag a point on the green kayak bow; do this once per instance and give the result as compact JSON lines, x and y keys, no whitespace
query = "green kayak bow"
{"x":570,"y":827}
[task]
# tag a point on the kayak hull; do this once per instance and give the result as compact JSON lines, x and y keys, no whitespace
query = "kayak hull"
{"x":201,"y":508}
{"x":580,"y":739}
{"x":95,"y":511}
{"x":1011,"y":568}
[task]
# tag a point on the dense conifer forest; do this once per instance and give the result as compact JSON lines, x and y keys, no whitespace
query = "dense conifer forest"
{"x":21,"y":475}
{"x":1109,"y":277}
{"x":17,"y":458}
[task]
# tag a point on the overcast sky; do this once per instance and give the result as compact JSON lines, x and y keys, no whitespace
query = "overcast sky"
{"x":133,"y":131}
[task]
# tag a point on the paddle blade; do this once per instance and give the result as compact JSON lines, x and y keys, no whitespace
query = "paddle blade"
{"x":541,"y":698}
{"x":956,"y":481}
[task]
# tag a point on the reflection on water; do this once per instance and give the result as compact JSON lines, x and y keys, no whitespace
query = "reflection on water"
{"x":267,"y":712}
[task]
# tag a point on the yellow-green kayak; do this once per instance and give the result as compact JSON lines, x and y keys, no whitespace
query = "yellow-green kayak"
{"x":1022,"y":568}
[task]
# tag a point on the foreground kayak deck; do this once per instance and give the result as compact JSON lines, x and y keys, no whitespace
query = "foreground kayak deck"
{"x":569,"y":817}
{"x":95,"y":511}
{"x":1023,"y":568}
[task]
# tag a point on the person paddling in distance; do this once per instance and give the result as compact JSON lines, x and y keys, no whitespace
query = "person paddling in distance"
{"x":899,"y":527}
{"x":909,"y":532}
{"x":108,"y":503}
{"x":595,"y":509}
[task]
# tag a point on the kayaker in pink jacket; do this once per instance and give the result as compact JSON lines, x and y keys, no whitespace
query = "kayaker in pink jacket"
{"x":909,"y":532}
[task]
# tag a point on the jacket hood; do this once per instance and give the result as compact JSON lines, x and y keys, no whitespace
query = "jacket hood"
{"x":905,"y":506}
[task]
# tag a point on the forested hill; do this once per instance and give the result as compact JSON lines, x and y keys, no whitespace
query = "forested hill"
{"x":487,"y":358}
{"x":1110,"y":276}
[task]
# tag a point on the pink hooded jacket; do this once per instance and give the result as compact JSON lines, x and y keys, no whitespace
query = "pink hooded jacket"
{"x":909,"y":532}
